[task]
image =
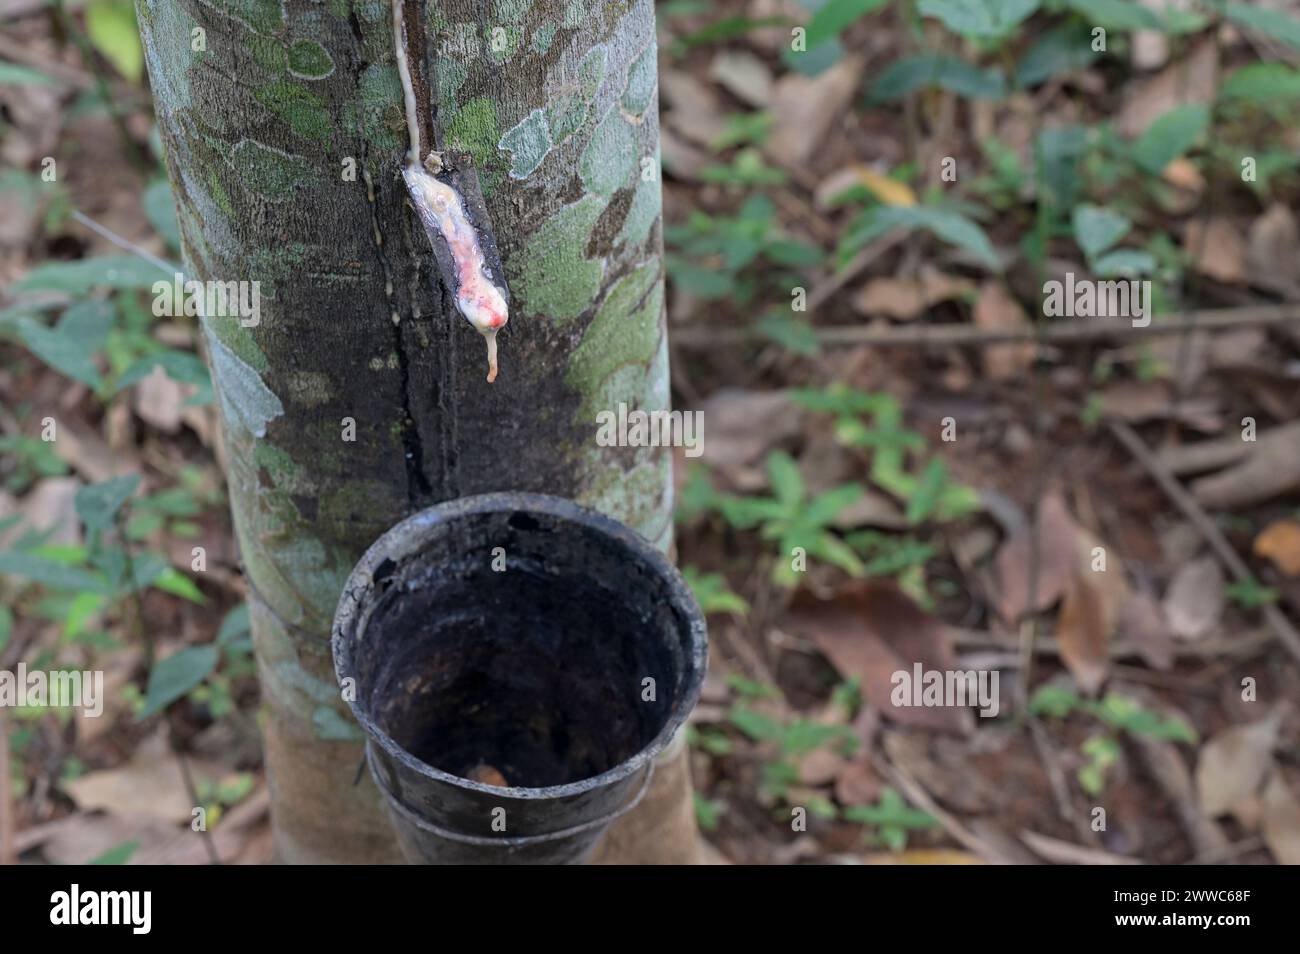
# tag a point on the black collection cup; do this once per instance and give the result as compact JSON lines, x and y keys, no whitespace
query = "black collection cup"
{"x":516,"y":662}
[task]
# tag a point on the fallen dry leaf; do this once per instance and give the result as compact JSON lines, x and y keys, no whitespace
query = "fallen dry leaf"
{"x":1280,"y":821}
{"x":887,"y":190}
{"x":905,"y":298}
{"x":1280,"y":543}
{"x":51,"y":506}
{"x":692,"y":107}
{"x":1233,"y":763}
{"x":1194,"y":601}
{"x":943,"y":768}
{"x":1192,"y":79}
{"x":804,"y":109}
{"x":1183,"y":174}
{"x":743,"y":427}
{"x":82,"y":837}
{"x":871,"y":630}
{"x":821,"y":767}
{"x":1058,"y":559}
{"x":997,"y":310}
{"x":1142,"y":623}
{"x":857,"y":784}
{"x":1083,"y":632}
{"x":159,"y":400}
{"x":1217,"y":249}
{"x":743,"y":75}
{"x":922,"y":856}
{"x":149,"y":784}
{"x":1272,"y":249}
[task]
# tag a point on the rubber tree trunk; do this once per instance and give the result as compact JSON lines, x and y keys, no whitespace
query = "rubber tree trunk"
{"x":361,"y":395}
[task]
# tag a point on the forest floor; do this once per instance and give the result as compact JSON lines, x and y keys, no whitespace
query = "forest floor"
{"x":909,"y":459}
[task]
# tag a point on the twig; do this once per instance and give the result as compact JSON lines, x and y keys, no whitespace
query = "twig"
{"x":1185,"y":502}
{"x":125,"y":243}
{"x":948,"y":334}
{"x":919,"y":797}
{"x":1203,"y":649}
{"x":859,"y":263}
{"x":1064,"y":853}
{"x":1056,"y":780}
{"x":192,"y":790}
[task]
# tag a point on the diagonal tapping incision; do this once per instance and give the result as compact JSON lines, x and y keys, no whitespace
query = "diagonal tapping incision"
{"x":442,"y":211}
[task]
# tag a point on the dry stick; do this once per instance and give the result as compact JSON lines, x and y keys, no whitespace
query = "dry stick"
{"x":918,"y":796}
{"x":1056,"y":780}
{"x":859,"y":263}
{"x":950,"y":334}
{"x":1194,"y":512}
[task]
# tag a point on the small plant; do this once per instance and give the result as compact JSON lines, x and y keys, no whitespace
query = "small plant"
{"x":713,"y":594}
{"x":1250,"y":593}
{"x":1116,"y":712}
{"x":707,"y":812}
{"x":713,"y":257}
{"x":891,"y":819}
{"x":794,"y":521}
{"x":929,"y":494}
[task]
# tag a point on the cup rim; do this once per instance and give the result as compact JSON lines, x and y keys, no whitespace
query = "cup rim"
{"x":408,"y":537}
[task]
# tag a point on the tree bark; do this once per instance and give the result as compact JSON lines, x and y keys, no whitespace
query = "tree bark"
{"x":284,"y":131}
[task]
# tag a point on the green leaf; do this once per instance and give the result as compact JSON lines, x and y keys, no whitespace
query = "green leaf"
{"x":708,"y":812}
{"x":756,"y":725}
{"x":825,"y":507}
{"x":172,"y":580}
{"x":1264,"y":83}
{"x":979,"y":18}
{"x":70,"y":346}
{"x":1125,"y":262}
{"x":49,"y":573}
{"x":1170,"y":136}
{"x":1097,"y":228}
{"x":793,"y":333}
{"x":952,"y":227}
{"x":235,"y":626}
{"x":6,"y":625}
{"x":160,"y":209}
{"x":1066,"y":49}
{"x":11,"y":74}
{"x":783,"y":474}
{"x":98,"y":503}
{"x":702,"y":283}
{"x":110,"y":24}
{"x":713,"y":594}
{"x":118,"y":855}
{"x":79,"y":277}
{"x":1270,"y":23}
{"x":826,"y":546}
{"x":1055,"y":701}
{"x":935,"y":69}
{"x":925,"y":499}
{"x":728,"y":28}
{"x":180,"y":366}
{"x":1116,"y":14}
{"x":803,"y":736}
{"x":176,"y":675}
{"x":835,"y":16}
